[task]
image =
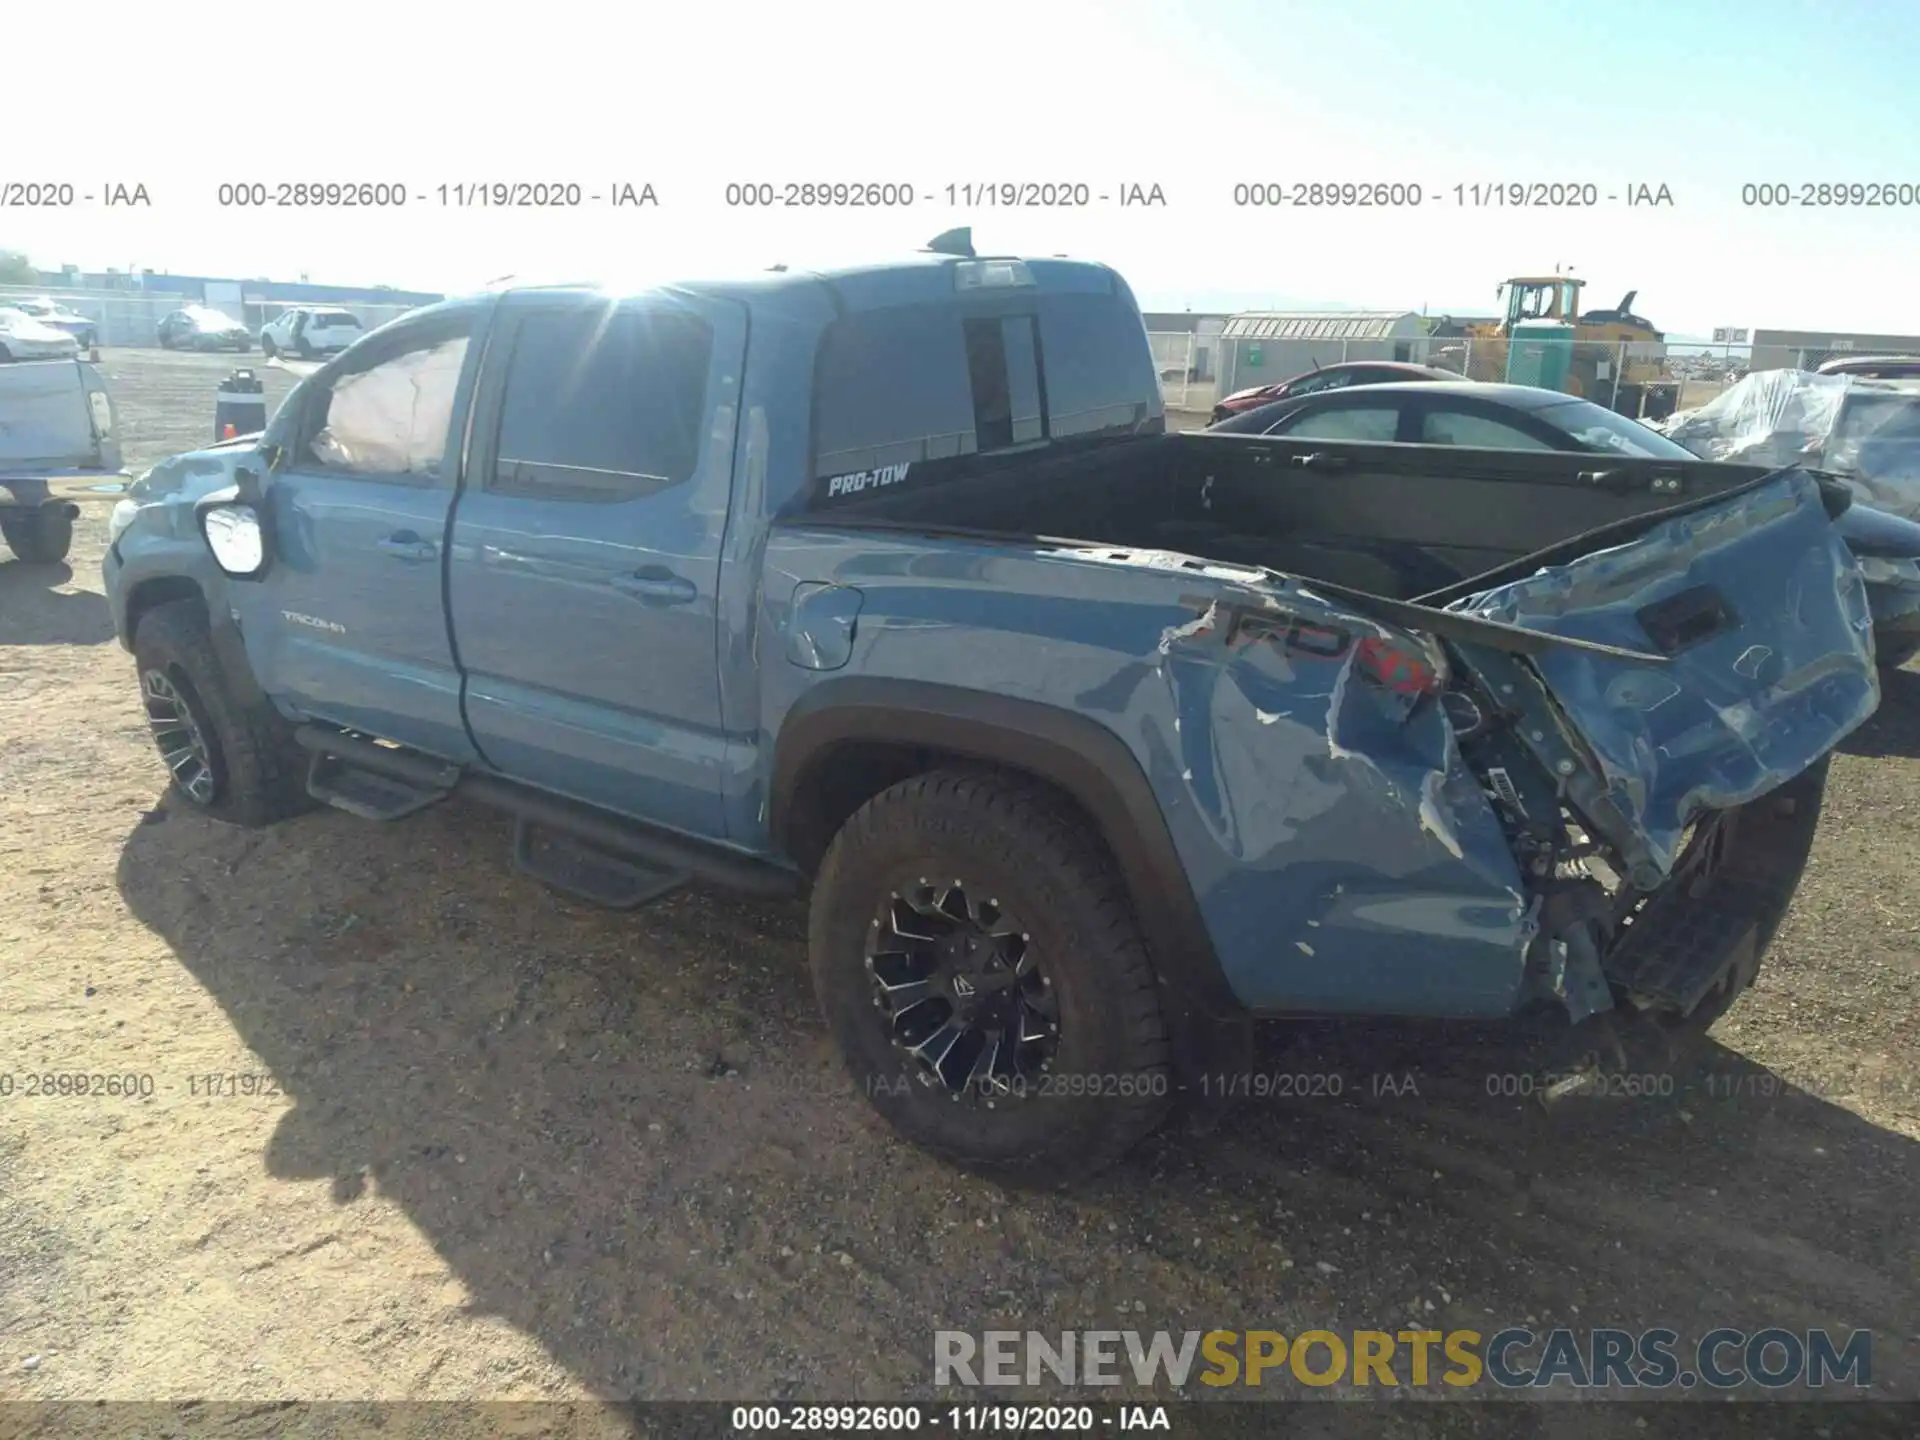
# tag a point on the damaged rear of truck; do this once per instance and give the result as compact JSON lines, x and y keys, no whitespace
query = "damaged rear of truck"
{"x":1581,"y":777}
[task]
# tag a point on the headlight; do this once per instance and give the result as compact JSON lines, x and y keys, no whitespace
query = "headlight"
{"x":120,"y":519}
{"x":1877,"y":571}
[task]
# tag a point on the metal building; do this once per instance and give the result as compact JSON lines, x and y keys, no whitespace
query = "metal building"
{"x":1264,"y":347}
{"x":1808,"y":349}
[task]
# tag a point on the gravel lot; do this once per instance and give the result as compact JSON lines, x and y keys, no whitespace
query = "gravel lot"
{"x":502,"y":1145}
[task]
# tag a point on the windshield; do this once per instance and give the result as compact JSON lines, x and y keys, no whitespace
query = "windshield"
{"x":1598,"y":428}
{"x":209,"y":319}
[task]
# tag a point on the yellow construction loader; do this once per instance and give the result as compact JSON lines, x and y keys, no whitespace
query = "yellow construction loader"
{"x":1616,"y":359}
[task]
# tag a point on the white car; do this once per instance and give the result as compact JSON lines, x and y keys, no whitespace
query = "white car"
{"x":52,"y":312}
{"x":309,"y":330}
{"x":24,"y":338}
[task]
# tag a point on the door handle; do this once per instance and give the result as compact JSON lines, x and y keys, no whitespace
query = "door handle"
{"x":1323,"y":460}
{"x":655,"y":586}
{"x":405,"y":545}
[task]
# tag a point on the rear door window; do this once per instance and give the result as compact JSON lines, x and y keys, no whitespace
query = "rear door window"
{"x":1459,"y":427}
{"x":603,"y":407}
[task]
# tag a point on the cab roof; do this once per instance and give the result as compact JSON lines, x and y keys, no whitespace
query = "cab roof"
{"x":913,"y":278}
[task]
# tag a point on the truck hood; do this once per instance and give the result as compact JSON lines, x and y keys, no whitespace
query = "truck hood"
{"x":196,"y":473}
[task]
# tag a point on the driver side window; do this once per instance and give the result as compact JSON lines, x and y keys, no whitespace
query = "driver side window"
{"x":389,"y":421}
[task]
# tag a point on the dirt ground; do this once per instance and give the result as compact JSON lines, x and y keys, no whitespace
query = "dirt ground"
{"x":469,"y":1139}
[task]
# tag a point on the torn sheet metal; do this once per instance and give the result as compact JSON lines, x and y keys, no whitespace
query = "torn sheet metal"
{"x":1763,"y":617}
{"x":1364,"y":869}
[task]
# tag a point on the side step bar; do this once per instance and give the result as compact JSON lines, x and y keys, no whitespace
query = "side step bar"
{"x":379,"y":794}
{"x":587,"y":852}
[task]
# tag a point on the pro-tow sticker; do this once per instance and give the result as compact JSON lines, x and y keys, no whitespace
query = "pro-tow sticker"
{"x":866,"y":480}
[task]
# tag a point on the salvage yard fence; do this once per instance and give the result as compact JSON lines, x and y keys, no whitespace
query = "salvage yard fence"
{"x":1192,"y":381}
{"x":131,"y":318}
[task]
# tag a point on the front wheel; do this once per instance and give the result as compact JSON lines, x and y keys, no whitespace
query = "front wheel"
{"x":42,"y":539}
{"x":977,"y":959}
{"x":232,"y":759}
{"x":267,"y":347}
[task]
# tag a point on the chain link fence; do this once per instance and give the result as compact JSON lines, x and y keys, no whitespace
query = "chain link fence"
{"x":131,"y":318}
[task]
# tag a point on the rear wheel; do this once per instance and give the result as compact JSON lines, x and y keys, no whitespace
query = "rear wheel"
{"x":42,"y":539}
{"x":229,"y":758}
{"x":977,"y":959}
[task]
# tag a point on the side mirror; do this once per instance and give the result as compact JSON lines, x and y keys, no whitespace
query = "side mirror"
{"x":234,"y":532}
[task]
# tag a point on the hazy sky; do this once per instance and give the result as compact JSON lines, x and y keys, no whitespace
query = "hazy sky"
{"x":1696,"y":95}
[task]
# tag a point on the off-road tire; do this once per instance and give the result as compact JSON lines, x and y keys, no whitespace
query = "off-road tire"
{"x":1111,"y":1083}
{"x":42,"y":539}
{"x":259,"y":772}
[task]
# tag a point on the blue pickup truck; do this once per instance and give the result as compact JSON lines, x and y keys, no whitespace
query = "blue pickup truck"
{"x":1089,"y":742}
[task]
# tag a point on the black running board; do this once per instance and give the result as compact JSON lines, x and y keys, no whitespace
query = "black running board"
{"x":588,"y":852}
{"x":370,"y":794}
{"x":588,"y":873}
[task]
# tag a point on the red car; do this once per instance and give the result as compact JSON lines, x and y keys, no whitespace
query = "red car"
{"x":1328,"y":377}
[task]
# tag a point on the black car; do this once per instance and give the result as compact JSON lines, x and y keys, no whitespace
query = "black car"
{"x":197,"y":328}
{"x":1520,"y":417}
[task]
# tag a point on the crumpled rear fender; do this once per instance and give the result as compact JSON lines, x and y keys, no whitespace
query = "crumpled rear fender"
{"x":1339,"y":854}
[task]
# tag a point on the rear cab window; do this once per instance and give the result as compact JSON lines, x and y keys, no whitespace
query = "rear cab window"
{"x":930,"y":391}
